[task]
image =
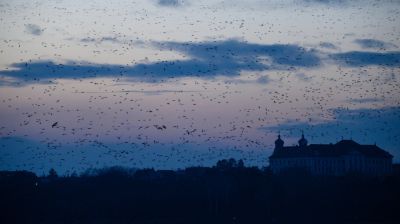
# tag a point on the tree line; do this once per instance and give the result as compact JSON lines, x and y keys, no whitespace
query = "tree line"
{"x":229,"y":192}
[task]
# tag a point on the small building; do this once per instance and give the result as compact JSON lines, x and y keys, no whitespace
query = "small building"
{"x":344,"y":157}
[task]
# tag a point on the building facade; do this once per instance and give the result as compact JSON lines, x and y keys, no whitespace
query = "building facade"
{"x":344,"y":157}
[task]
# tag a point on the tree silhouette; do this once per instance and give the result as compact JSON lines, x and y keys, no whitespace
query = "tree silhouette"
{"x":52,"y":174}
{"x":226,"y":193}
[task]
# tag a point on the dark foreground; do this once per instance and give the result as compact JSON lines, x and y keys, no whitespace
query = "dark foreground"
{"x":227,"y":193}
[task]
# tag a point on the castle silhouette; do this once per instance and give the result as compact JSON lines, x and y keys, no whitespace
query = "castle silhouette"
{"x":344,"y":157}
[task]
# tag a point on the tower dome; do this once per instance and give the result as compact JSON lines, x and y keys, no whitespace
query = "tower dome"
{"x":279,"y":143}
{"x":302,"y":141}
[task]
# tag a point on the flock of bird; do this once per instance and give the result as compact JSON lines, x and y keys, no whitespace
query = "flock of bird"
{"x":92,"y":120}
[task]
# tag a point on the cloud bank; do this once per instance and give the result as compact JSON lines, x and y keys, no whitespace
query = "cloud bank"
{"x":374,"y":44}
{"x":204,"y":60}
{"x":170,"y":3}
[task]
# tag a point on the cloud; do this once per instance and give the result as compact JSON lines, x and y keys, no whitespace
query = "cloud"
{"x":99,"y":40}
{"x":205,"y":60}
{"x":364,"y":125}
{"x":327,"y":45}
{"x":170,"y":3}
{"x":375,"y":44}
{"x":246,"y":55}
{"x":208,"y":59}
{"x":33,"y":29}
{"x":361,"y":58}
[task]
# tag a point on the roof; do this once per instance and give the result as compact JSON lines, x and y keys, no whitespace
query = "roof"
{"x":341,"y":148}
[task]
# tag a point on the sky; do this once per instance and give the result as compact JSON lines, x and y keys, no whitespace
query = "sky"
{"x":169,"y":84}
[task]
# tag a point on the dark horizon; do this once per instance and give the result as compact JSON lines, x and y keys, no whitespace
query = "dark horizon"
{"x":178,"y":83}
{"x":229,"y":192}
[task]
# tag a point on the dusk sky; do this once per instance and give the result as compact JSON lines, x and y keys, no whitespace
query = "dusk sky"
{"x":168,"y":84}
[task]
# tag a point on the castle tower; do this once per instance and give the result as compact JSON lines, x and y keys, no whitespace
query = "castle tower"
{"x":279,"y":143}
{"x":302,"y":141}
